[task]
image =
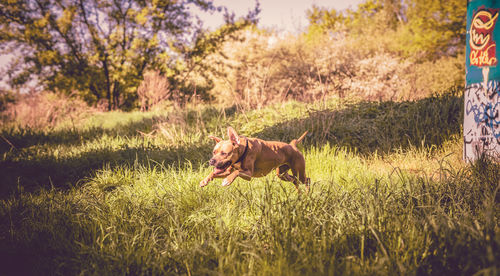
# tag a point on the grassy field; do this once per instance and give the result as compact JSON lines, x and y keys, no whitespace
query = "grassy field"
{"x":390,"y":195}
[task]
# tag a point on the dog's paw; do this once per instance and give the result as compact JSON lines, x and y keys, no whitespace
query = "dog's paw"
{"x":203,"y":183}
{"x":226,"y":182}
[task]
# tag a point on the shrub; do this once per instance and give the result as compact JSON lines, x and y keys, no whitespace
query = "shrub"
{"x":44,"y":109}
{"x":154,"y":89}
{"x":437,"y":75}
{"x":6,"y":97}
{"x":264,"y":68}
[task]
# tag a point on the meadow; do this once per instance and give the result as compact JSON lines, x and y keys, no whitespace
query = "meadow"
{"x":117,"y":194}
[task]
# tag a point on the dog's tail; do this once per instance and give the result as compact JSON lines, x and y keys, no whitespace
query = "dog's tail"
{"x":296,"y":141}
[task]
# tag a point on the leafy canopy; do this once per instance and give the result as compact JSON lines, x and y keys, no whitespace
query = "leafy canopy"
{"x":422,"y":29}
{"x":101,"y":48}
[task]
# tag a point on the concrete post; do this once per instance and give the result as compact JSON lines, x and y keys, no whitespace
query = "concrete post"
{"x":482,"y":90}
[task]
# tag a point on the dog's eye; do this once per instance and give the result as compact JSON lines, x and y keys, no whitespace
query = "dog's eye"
{"x":223,"y":153}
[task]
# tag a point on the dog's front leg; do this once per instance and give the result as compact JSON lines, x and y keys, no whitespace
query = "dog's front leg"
{"x":207,"y":179}
{"x":230,"y":178}
{"x":247,"y":175}
{"x":211,"y":177}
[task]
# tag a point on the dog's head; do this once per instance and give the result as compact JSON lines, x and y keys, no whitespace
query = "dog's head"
{"x":226,"y":152}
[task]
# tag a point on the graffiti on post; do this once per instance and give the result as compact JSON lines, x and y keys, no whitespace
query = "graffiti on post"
{"x":482,"y":92}
{"x":484,"y":134}
{"x":481,"y":42}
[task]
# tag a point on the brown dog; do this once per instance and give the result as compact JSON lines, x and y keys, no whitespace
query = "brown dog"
{"x":252,"y":157}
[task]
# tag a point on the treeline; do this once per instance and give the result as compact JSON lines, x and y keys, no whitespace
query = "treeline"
{"x":100,"y":49}
{"x":138,"y":54}
{"x":382,"y":50}
{"x":417,"y":29}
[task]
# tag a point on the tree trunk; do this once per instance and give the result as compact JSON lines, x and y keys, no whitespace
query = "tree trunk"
{"x":108,"y":82}
{"x":116,"y":95}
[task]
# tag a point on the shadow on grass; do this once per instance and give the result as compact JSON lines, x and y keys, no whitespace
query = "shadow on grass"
{"x":381,"y":127}
{"x":27,"y":137}
{"x":63,"y":173}
{"x":366,"y":127}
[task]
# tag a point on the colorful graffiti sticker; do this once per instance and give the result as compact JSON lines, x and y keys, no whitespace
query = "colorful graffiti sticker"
{"x":482,"y":45}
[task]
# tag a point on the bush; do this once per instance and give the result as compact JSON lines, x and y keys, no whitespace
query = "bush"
{"x":44,"y":110}
{"x":264,"y":68}
{"x":153,"y":90}
{"x":6,"y":97}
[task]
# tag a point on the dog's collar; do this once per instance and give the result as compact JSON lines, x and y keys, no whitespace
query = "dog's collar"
{"x":244,"y":153}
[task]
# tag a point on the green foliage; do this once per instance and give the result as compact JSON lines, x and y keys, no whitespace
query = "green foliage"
{"x":434,"y":28}
{"x":101,"y":48}
{"x":384,"y":49}
{"x":419,"y":29}
{"x":193,"y":75}
{"x":267,"y":68}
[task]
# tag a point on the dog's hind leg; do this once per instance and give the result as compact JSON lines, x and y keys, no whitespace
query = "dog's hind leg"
{"x":282,"y":173}
{"x":294,"y":179}
{"x":299,"y":173}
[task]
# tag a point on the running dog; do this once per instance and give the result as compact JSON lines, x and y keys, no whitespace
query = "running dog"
{"x":253,"y":157}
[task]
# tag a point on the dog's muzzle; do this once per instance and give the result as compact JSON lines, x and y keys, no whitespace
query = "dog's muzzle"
{"x":221,"y":166}
{"x":212,"y":162}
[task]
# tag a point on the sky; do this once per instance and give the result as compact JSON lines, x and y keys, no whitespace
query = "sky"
{"x":281,"y":15}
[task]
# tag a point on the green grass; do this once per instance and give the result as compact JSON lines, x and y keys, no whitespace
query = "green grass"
{"x":389,"y":195}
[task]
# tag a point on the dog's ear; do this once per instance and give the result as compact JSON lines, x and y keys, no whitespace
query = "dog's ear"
{"x":233,"y":136}
{"x":216,"y":139}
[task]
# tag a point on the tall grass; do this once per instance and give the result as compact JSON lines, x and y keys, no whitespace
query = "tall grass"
{"x":390,"y":195}
{"x":154,"y":219}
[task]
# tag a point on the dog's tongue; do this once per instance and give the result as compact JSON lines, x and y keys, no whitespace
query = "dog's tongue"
{"x":217,"y":171}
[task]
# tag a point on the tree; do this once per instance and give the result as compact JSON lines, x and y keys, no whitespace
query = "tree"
{"x":101,"y":48}
{"x":424,"y":29}
{"x":434,"y":28}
